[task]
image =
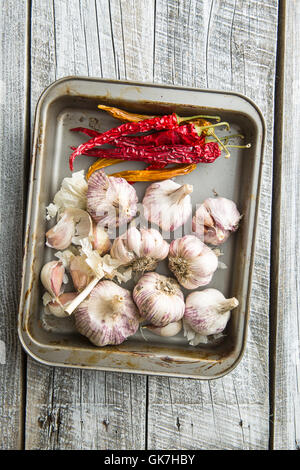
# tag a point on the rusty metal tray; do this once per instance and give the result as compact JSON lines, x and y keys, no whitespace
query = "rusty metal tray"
{"x":72,"y":102}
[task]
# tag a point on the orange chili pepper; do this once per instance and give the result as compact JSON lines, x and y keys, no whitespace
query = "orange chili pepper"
{"x":124,"y":115}
{"x":101,"y":163}
{"x":156,"y":175}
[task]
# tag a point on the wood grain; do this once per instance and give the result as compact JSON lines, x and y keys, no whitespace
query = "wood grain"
{"x":13,"y":103}
{"x":223,"y":44}
{"x":286,"y":417}
{"x":228,"y":45}
{"x":75,"y":409}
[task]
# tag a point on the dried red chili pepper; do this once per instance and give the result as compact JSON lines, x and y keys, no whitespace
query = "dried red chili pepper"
{"x":185,"y":134}
{"x":125,"y":116}
{"x":170,"y":121}
{"x":206,"y":153}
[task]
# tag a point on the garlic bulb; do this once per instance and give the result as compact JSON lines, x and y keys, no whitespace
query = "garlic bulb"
{"x":172,"y":329}
{"x":192,"y":262}
{"x":140,"y":249}
{"x":168,"y":204}
{"x":108,"y":316}
{"x":73,"y":225}
{"x":57,"y":307}
{"x":72,"y":193}
{"x":159,"y":299}
{"x":52,"y":277}
{"x":207,"y":312}
{"x":215,"y":220}
{"x":110,"y":201}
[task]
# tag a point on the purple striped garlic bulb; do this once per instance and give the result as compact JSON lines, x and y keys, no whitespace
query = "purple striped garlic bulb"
{"x":108,"y":315}
{"x":159,"y":299}
{"x":141,"y":249}
{"x":207,"y":312}
{"x":168,"y":204}
{"x":192,"y":262}
{"x":110,"y":201}
{"x":215,"y":220}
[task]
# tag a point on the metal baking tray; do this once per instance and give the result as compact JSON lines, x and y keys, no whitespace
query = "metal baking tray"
{"x":72,"y":102}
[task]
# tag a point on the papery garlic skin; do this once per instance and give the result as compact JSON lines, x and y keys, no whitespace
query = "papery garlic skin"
{"x":168,"y":204}
{"x":207,"y":312}
{"x":192,"y":262}
{"x":141,"y":249}
{"x":57,"y":307}
{"x":172,"y":329}
{"x":72,"y":193}
{"x":110,"y":201}
{"x":108,"y":316}
{"x":159,"y":299}
{"x":52,"y":277}
{"x":215,"y":219}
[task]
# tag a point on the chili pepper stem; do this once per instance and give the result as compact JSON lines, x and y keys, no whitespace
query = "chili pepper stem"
{"x":247,"y":146}
{"x":201,"y":116}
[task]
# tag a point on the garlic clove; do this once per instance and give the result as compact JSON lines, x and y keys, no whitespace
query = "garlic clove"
{"x":110,"y":201}
{"x":100,"y":239}
{"x":215,"y":220}
{"x":159,"y":299}
{"x":207,"y":312}
{"x":60,"y":236}
{"x":73,"y":225}
{"x":172,"y":329}
{"x":168,"y":204}
{"x":192,"y":262}
{"x":80,"y":272}
{"x":57,"y":307}
{"x":108,"y":316}
{"x":52,"y":276}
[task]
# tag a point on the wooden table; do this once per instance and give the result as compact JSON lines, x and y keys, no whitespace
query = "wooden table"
{"x":246,"y":46}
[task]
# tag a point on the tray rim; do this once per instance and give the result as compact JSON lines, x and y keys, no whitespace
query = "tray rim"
{"x":24,"y":335}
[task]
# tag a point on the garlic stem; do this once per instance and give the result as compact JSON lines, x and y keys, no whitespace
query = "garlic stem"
{"x":227,"y":305}
{"x":180,"y":193}
{"x":81,"y":297}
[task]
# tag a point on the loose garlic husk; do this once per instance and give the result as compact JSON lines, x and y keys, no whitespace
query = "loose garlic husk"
{"x":159,"y":299}
{"x":73,"y":225}
{"x":192,"y":262}
{"x":108,"y":316}
{"x":110,"y":201}
{"x":52,"y":277}
{"x":57,"y":306}
{"x":168,"y":204}
{"x":72,"y":193}
{"x":215,"y":220}
{"x":141,"y":249}
{"x":207,"y":313}
{"x":172,"y":329}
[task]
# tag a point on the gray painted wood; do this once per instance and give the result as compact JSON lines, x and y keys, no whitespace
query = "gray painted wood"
{"x":72,"y":409}
{"x":13,"y":89}
{"x":216,"y":44}
{"x":233,"y":46}
{"x":286,"y":415}
{"x":227,"y":45}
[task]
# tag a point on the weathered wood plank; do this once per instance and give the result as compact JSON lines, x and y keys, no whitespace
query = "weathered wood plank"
{"x":231,"y":45}
{"x":286,"y":225}
{"x":74,"y":409}
{"x":13,"y":103}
